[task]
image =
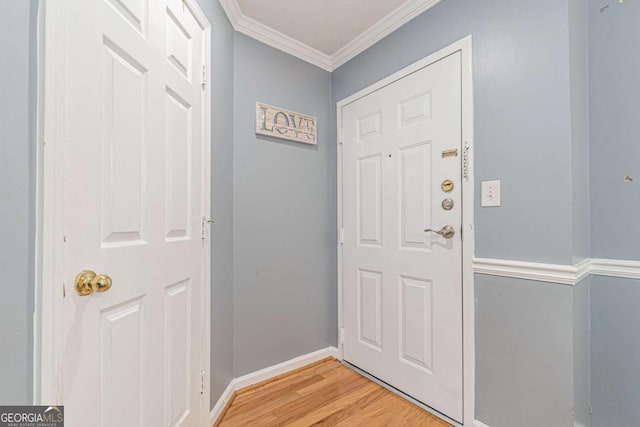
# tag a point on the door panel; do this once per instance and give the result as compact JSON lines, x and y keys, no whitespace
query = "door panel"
{"x":123,"y":147}
{"x":416,"y":314}
{"x":415,"y":195}
{"x":370,"y":308}
{"x":122,"y":372}
{"x":132,"y":202}
{"x":402,"y":286}
{"x":370,"y":200}
{"x":177,"y":311}
{"x":178,"y":171}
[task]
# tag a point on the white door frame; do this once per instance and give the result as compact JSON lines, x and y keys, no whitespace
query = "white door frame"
{"x":48,"y":316}
{"x":464,"y":46}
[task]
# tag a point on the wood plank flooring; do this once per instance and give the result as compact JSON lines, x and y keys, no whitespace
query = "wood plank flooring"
{"x":323,"y":394}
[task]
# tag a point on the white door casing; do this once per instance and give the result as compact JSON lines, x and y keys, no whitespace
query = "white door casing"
{"x":126,"y":120}
{"x":400,"y":289}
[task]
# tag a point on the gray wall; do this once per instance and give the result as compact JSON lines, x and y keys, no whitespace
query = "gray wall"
{"x":522,"y":114}
{"x":614,"y":75}
{"x":222,"y":198}
{"x":524,"y":345}
{"x":18,"y":21}
{"x":615,"y":351}
{"x":581,"y":353}
{"x":284,"y":214}
{"x":579,"y":102}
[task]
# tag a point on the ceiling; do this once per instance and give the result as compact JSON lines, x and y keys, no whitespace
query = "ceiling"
{"x":326,"y":33}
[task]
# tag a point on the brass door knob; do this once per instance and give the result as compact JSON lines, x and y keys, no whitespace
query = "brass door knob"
{"x":87,"y":282}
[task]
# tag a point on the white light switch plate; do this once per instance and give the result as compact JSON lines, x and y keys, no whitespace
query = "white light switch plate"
{"x":490,"y":194}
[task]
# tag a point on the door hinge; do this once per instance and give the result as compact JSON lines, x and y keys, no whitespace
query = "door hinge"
{"x":465,"y":161}
{"x":203,"y":229}
{"x":462,"y":232}
{"x":340,"y":136}
{"x":341,"y":236}
{"x":341,"y":336}
{"x":203,"y":376}
{"x":204,"y":77}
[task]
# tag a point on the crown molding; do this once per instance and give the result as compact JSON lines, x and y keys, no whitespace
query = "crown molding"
{"x":267,"y":35}
{"x":380,"y":30}
{"x":232,"y":9}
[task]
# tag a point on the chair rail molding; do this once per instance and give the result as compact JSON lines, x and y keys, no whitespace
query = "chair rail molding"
{"x":557,"y":273}
{"x":265,"y":34}
{"x":627,"y":269}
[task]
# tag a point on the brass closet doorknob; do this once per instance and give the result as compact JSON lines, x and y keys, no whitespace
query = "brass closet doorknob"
{"x":88,"y":282}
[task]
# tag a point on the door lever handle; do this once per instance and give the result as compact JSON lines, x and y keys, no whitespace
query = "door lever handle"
{"x":447,"y":231}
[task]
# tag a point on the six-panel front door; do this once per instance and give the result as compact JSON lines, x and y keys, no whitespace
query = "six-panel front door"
{"x":402,"y":285}
{"x":132,"y":210}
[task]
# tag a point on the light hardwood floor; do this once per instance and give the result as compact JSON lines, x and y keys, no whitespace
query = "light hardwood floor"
{"x":323,"y":394}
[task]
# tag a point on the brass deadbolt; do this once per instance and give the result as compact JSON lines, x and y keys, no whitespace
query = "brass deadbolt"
{"x":447,"y":186}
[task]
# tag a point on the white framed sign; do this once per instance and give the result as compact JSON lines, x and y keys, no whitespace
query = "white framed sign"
{"x":284,"y":124}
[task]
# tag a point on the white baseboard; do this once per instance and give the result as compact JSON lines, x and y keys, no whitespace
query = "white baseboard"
{"x":265,"y":374}
{"x":284,"y":367}
{"x":477,"y":423}
{"x":222,"y":403}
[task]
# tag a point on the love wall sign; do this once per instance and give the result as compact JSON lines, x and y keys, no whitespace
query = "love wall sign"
{"x":280,"y":123}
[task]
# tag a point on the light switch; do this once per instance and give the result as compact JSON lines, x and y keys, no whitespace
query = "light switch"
{"x":490,"y":194}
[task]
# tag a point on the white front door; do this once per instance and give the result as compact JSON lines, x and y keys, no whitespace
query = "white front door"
{"x":402,"y":285}
{"x":133,"y":150}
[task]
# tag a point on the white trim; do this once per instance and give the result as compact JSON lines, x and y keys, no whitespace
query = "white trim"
{"x":380,"y":30}
{"x":265,"y":34}
{"x":278,"y":40}
{"x":616,"y":268}
{"x":222,"y":403}
{"x":256,"y":377}
{"x":232,"y":9}
{"x":206,"y":185}
{"x":49,"y":228}
{"x":37,"y":315}
{"x":463,"y":46}
{"x":477,"y":423}
{"x":553,"y":273}
{"x":284,"y":367}
{"x":558,"y":273}
{"x":48,"y":319}
{"x":469,"y":236}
